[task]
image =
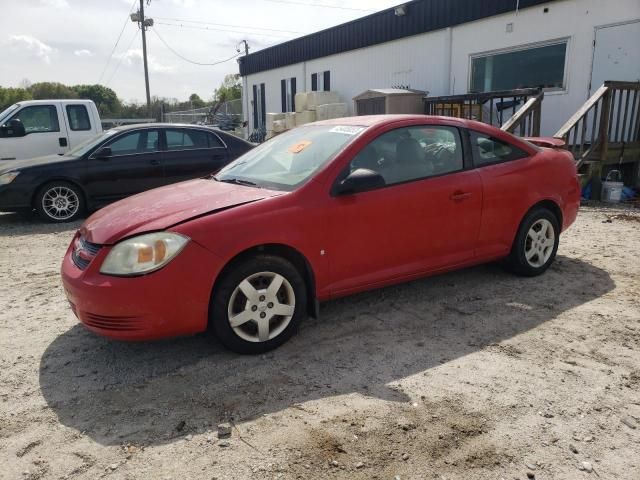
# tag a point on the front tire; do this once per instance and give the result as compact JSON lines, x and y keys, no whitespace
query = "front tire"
{"x":535,"y":246}
{"x":258,"y":304}
{"x":59,"y":202}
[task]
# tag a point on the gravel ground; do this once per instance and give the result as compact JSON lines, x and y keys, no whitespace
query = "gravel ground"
{"x":475,"y":374}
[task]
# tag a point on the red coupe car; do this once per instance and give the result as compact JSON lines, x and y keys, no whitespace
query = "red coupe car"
{"x":324,"y":210}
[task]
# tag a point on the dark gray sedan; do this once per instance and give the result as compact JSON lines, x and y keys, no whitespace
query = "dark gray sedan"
{"x":113,"y":165}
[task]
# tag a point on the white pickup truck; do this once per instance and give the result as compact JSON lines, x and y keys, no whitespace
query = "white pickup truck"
{"x":42,"y":127}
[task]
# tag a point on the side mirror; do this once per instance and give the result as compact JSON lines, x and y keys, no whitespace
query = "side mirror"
{"x":360,"y":180}
{"x":103,"y":153}
{"x":13,"y":128}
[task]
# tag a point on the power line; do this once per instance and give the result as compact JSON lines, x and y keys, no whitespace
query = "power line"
{"x":117,"y":41}
{"x":230,"y":25}
{"x":321,"y":5}
{"x":186,"y":59}
{"x":223,"y":30}
{"x":135,"y":35}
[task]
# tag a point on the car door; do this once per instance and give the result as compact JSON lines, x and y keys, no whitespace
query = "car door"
{"x":191,"y":153}
{"x":78,"y":123}
{"x":426,"y":218}
{"x":44,"y":133}
{"x":505,"y":171}
{"x":133,"y":166}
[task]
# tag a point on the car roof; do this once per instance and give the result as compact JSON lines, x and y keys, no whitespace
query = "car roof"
{"x":374,"y":120}
{"x":163,"y":125}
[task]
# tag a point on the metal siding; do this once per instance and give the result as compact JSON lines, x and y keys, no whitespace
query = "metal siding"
{"x":422,"y":16}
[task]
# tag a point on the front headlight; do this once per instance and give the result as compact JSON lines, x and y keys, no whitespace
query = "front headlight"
{"x":143,"y":254}
{"x":8,"y":177}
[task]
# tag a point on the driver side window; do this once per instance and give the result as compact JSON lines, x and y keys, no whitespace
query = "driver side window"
{"x":38,"y":119}
{"x":412,"y":153}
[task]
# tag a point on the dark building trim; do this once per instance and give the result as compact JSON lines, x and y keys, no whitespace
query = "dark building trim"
{"x":421,"y":16}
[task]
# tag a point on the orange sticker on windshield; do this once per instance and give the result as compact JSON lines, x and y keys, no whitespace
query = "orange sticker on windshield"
{"x":300,"y":146}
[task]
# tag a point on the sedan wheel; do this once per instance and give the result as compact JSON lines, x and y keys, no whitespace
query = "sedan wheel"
{"x":59,"y":202}
{"x":261,"y":306}
{"x":258,"y":304}
{"x":536,"y":243}
{"x":539,"y":244}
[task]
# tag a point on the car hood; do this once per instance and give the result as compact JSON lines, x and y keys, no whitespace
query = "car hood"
{"x":164,"y":207}
{"x":11,"y":165}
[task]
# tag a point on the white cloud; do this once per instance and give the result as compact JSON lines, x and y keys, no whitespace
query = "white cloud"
{"x":134,"y":57}
{"x":55,"y":3}
{"x":83,"y":53}
{"x":32,"y":45}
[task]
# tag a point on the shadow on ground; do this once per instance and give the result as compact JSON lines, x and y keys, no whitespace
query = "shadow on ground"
{"x":18,"y":224}
{"x":152,"y":393}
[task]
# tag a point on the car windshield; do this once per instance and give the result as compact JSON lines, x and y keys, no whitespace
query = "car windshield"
{"x":7,"y":111}
{"x":289,"y":160}
{"x":87,"y":145}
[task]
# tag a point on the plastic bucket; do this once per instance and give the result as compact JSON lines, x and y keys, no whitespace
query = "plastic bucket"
{"x":612,"y":188}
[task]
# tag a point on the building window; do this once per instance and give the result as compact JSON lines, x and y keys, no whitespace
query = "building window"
{"x":259,"y":106}
{"x":321,"y":82}
{"x":530,"y":67}
{"x":288,"y":94}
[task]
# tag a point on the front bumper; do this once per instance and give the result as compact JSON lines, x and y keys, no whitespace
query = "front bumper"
{"x":169,"y":302}
{"x":15,"y":197}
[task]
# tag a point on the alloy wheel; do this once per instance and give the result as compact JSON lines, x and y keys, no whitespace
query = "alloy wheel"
{"x":539,"y":243}
{"x":60,"y":203}
{"x":261,"y":306}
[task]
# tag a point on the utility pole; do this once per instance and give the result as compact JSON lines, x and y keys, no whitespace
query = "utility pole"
{"x":246,"y":47}
{"x":143,"y":24}
{"x":245,"y":86}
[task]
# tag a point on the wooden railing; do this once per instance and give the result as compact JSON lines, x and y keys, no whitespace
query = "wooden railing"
{"x":609,"y":119}
{"x":526,"y":121}
{"x":494,"y":108}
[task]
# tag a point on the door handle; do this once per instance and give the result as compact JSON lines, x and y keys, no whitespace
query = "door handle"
{"x":62,"y":141}
{"x":458,"y":196}
{"x":154,"y":162}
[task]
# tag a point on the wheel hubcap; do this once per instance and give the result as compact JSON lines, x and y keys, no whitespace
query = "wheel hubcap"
{"x":261,"y":307}
{"x":539,"y":243}
{"x":60,"y":203}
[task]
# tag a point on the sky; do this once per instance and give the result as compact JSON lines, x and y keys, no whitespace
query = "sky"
{"x":74,"y":41}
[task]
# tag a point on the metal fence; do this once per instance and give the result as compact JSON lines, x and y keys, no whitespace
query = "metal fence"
{"x":227,"y":114}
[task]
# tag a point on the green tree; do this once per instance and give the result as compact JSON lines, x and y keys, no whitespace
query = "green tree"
{"x":196,"y":101}
{"x":9,"y":96}
{"x":105,"y":99}
{"x":230,"y":89}
{"x":51,"y":90}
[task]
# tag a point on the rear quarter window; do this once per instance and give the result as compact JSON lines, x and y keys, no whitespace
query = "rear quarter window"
{"x":488,"y":150}
{"x":78,"y":118}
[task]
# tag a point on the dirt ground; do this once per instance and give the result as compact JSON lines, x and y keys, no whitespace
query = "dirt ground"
{"x":475,"y":374}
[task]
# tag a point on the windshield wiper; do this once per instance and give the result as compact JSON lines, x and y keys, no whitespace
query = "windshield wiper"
{"x":237,"y":181}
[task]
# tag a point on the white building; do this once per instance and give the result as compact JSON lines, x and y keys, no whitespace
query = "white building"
{"x":449,"y":47}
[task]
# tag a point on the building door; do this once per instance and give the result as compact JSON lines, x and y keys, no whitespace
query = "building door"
{"x":616,"y":54}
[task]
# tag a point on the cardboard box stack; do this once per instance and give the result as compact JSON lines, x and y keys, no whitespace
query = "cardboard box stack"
{"x":310,"y":106}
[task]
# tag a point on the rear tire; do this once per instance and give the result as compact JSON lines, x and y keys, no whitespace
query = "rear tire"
{"x":258,"y":304}
{"x":536,"y":243}
{"x":59,"y":202}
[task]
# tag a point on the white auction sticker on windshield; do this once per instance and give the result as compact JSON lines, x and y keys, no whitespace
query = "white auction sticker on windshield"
{"x":346,"y":129}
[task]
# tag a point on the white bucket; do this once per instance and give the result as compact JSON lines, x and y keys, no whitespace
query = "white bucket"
{"x":612,"y":190}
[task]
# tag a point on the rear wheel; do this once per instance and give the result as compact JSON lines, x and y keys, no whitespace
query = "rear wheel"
{"x":258,"y":305}
{"x":59,"y":202}
{"x":536,"y":243}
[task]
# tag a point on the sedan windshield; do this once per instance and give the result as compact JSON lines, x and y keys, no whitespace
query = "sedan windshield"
{"x":289,"y":160}
{"x":87,"y":145}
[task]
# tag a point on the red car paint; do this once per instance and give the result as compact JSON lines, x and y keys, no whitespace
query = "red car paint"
{"x":351,"y":243}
